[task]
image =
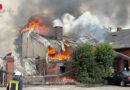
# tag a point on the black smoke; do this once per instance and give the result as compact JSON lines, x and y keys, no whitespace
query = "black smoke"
{"x":118,"y":11}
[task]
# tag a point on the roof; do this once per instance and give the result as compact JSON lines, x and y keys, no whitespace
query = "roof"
{"x":119,"y":39}
{"x":57,"y":45}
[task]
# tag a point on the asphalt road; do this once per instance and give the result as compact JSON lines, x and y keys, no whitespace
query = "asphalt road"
{"x":72,"y":87}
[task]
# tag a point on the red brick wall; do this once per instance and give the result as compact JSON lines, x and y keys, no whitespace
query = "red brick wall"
{"x":125,"y":51}
{"x":120,"y":61}
{"x":54,"y":69}
{"x":9,"y":67}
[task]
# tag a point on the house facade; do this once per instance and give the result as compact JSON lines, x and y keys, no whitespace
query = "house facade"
{"x":53,"y":54}
{"x":123,"y":61}
{"x":120,"y":41}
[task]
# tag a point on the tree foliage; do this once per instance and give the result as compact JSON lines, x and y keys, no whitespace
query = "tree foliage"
{"x":83,"y":55}
{"x":105,"y":57}
{"x":87,"y":71}
{"x":92,"y":62}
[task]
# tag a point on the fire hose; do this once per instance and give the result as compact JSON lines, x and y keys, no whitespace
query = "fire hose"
{"x":59,"y":75}
{"x":2,"y":71}
{"x":45,"y":76}
{"x":26,"y":78}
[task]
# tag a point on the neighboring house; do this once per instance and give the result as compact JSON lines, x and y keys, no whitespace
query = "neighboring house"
{"x":120,"y":41}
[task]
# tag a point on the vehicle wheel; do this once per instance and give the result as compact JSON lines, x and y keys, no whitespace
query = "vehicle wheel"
{"x":122,"y":83}
{"x":106,"y":82}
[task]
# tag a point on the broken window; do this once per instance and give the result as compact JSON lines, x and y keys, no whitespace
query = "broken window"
{"x":62,"y":69}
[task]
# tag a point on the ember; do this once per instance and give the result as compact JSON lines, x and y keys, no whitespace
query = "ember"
{"x":53,"y":54}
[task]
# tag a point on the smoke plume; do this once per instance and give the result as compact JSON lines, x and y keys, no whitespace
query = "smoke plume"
{"x":85,"y":28}
{"x":116,"y":10}
{"x":103,"y":12}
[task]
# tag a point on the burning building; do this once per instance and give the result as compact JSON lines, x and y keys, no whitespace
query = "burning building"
{"x":50,"y":48}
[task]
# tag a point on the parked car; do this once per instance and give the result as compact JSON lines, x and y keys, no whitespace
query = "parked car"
{"x":121,"y":78}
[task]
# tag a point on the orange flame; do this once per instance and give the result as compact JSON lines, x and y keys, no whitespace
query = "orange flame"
{"x":34,"y":23}
{"x":53,"y":54}
{"x":65,"y":79}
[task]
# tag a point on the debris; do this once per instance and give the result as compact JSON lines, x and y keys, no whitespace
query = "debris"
{"x":2,"y":64}
{"x":27,"y":66}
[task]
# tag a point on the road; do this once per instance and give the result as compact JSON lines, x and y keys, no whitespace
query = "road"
{"x":72,"y":87}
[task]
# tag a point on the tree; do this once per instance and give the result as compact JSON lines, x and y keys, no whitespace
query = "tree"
{"x":83,"y":55}
{"x":105,"y":57}
{"x":87,"y":70}
{"x":93,"y":63}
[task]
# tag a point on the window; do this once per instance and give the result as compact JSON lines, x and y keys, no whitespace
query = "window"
{"x":119,"y":74}
{"x":114,"y":35}
{"x":62,"y":69}
{"x":126,"y":65}
{"x":114,"y":75}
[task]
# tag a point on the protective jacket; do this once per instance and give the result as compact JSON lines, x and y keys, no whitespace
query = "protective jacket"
{"x":15,"y":84}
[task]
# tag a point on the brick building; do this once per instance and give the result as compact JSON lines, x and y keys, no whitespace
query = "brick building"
{"x":120,"y":41}
{"x":53,"y":51}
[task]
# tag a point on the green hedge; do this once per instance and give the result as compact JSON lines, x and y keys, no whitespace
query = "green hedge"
{"x":90,"y":62}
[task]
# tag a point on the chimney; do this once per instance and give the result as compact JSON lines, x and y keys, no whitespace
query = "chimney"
{"x":58,"y":32}
{"x":9,"y":67}
{"x":119,"y":28}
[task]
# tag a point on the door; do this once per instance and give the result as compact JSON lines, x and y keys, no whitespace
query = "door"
{"x":126,"y":68}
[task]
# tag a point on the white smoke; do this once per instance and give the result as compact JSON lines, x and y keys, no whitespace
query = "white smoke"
{"x":104,"y":13}
{"x":8,"y":30}
{"x":57,"y":22}
{"x":85,"y":28}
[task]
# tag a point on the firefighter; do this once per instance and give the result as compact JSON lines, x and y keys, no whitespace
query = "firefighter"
{"x":16,"y":83}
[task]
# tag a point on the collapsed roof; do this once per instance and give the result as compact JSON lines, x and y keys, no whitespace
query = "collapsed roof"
{"x":57,"y":45}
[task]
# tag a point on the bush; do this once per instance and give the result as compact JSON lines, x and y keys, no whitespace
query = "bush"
{"x":81,"y":53}
{"x":93,"y":62}
{"x":105,"y":57}
{"x":87,"y":69}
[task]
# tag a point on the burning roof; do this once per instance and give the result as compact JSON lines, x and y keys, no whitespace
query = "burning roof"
{"x":50,"y":38}
{"x":57,"y":45}
{"x":42,"y":24}
{"x":57,"y":50}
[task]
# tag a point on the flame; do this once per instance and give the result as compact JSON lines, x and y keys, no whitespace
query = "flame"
{"x":53,"y":54}
{"x":35,"y":23}
{"x":65,"y":79}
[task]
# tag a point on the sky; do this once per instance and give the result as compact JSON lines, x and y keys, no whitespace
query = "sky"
{"x":108,"y":13}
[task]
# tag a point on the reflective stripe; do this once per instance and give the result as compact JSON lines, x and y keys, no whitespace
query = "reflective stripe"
{"x":16,"y":84}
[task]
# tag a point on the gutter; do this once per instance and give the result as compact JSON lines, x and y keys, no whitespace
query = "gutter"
{"x":127,"y":57}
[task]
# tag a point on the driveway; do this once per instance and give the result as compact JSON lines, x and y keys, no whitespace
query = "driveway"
{"x":72,"y":87}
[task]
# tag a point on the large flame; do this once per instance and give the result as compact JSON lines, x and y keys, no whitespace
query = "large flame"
{"x":53,"y":54}
{"x":65,"y":79}
{"x":36,"y":23}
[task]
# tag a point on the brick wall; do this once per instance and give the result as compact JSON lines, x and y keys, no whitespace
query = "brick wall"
{"x":9,"y":67}
{"x":54,"y":69}
{"x":125,"y":51}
